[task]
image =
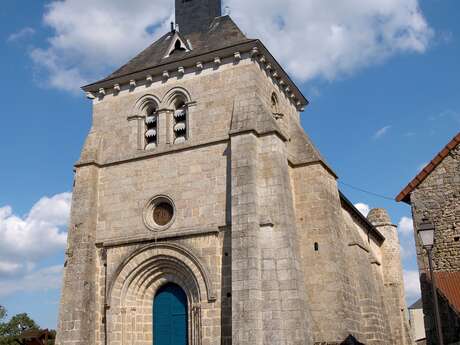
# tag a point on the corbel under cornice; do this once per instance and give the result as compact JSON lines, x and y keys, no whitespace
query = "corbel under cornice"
{"x":196,"y":63}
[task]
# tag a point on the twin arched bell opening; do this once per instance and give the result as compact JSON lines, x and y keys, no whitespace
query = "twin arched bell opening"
{"x":179,"y":126}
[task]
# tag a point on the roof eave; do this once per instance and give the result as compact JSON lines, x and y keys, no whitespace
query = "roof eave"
{"x":284,"y":74}
{"x":378,"y":235}
{"x":404,"y":195}
{"x":156,"y":69}
{"x":189,"y":60}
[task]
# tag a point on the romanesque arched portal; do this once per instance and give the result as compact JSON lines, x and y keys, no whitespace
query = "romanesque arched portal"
{"x":138,"y":280}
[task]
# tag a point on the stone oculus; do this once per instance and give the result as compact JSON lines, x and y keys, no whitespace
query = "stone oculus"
{"x":197,"y":187}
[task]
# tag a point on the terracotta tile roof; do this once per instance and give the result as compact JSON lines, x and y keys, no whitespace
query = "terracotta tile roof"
{"x":405,"y":193}
{"x":449,"y":285}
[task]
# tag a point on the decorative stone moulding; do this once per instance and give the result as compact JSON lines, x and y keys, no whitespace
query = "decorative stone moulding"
{"x":237,"y":56}
{"x":254,"y":52}
{"x":181,"y":71}
{"x":116,"y":88}
{"x":282,"y":82}
{"x":159,"y":213}
{"x":269,"y":67}
{"x":217,"y":61}
{"x":132,"y":84}
{"x":149,"y":79}
{"x":101,"y":91}
{"x":199,"y":66}
{"x":165,"y":75}
{"x":275,"y":75}
{"x":263,"y":59}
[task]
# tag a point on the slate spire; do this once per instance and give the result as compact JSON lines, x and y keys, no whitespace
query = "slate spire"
{"x":196,"y":15}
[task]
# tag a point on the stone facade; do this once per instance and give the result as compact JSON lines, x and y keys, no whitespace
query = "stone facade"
{"x":266,"y":248}
{"x":437,"y":198}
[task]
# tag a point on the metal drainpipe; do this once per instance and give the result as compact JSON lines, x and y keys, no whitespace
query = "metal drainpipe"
{"x":104,"y":318}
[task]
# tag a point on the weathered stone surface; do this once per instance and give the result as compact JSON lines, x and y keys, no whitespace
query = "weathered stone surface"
{"x":261,"y":240}
{"x":437,"y":198}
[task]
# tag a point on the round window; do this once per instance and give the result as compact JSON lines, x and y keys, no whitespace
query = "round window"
{"x":163,"y":213}
{"x":159,"y":213}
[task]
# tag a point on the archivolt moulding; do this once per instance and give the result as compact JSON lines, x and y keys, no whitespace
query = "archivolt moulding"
{"x":140,"y":105}
{"x":173,"y":93}
{"x":154,"y":262}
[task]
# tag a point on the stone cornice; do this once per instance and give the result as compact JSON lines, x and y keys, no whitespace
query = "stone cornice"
{"x":160,"y":151}
{"x":195,"y":64}
{"x":158,"y":236}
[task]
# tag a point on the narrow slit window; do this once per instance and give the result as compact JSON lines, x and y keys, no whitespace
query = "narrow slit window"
{"x":316,"y":246}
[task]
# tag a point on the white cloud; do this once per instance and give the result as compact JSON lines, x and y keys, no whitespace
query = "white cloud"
{"x":23,"y":33}
{"x":329,"y":38}
{"x":90,"y":37}
{"x":40,"y":280}
{"x":406,"y":226}
{"x":381,"y":132}
{"x":311,"y":38}
{"x":25,"y":241}
{"x":363,"y":208}
{"x":38,"y":233}
{"x":412,"y":285}
{"x":7,"y":268}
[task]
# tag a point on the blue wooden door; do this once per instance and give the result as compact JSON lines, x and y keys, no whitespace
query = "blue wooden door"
{"x":170,"y":316}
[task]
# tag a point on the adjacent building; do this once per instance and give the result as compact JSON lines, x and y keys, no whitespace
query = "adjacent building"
{"x":203,"y":214}
{"x":417,"y":322}
{"x":434,"y":194}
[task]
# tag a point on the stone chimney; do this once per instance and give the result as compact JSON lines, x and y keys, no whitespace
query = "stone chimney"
{"x":196,"y":15}
{"x":392,"y":275}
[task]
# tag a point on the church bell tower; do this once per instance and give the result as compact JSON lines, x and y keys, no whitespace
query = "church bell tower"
{"x":196,"y":15}
{"x":202,"y":214}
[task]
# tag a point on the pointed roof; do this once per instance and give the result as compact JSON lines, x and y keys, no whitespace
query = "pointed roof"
{"x":416,"y":305}
{"x":405,"y":193}
{"x":222,"y":33}
{"x":223,"y":38}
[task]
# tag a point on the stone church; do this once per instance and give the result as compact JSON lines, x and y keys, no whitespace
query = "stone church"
{"x":203,"y":214}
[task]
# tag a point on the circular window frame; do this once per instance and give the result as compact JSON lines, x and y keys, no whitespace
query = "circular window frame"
{"x":148,"y":217}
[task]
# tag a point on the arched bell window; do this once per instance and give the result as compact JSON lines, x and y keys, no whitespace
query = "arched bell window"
{"x":180,"y":121}
{"x":151,"y":127}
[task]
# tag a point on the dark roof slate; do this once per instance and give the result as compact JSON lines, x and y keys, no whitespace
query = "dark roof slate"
{"x":417,"y":305}
{"x":222,"y":33}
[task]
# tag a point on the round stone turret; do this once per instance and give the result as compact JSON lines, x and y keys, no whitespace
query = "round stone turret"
{"x":379,"y":216}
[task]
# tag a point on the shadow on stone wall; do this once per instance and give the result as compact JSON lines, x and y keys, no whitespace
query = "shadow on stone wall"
{"x":350,"y":340}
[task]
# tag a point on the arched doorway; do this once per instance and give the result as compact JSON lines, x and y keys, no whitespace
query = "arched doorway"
{"x":170,"y":314}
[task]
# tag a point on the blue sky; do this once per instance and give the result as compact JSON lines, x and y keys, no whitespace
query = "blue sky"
{"x":380,"y":108}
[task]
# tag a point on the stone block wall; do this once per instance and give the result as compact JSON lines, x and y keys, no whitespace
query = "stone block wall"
{"x":319,"y":221}
{"x":78,"y":308}
{"x":260,"y":242}
{"x":438,"y":199}
{"x":393,"y":284}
